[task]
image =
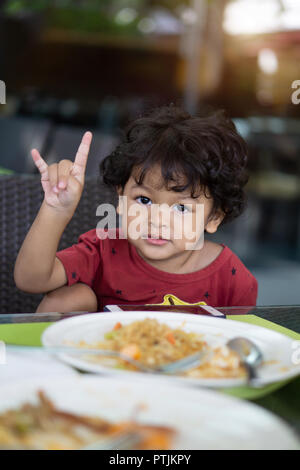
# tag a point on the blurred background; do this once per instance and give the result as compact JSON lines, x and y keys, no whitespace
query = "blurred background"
{"x":71,"y":66}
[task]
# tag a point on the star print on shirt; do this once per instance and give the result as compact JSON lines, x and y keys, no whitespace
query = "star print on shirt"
{"x":74,"y":275}
{"x":113,"y":251}
{"x":206,"y":295}
{"x":233,"y":271}
{"x":118,"y":292}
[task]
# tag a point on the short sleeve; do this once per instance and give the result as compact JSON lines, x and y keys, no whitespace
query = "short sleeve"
{"x":249,"y":296}
{"x":82,"y":260}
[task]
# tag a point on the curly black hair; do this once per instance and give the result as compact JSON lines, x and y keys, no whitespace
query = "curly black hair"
{"x":206,"y":150}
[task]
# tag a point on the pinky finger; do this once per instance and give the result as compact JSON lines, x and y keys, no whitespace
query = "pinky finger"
{"x":43,"y":169}
{"x":40,"y":164}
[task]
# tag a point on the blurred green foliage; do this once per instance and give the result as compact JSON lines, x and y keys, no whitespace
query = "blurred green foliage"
{"x":17,"y":6}
{"x":91,"y":15}
{"x":89,"y":20}
{"x":13,"y":6}
{"x":87,"y":16}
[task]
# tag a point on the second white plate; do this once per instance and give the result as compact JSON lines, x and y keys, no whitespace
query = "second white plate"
{"x":202,"y":419}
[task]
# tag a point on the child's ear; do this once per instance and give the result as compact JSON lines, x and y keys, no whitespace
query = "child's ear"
{"x":119,"y":190}
{"x":214,"y":221}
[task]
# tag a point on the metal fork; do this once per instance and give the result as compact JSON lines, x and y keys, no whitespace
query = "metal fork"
{"x":124,"y":440}
{"x":181,"y":365}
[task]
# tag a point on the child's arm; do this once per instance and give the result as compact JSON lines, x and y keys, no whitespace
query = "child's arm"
{"x":37,"y":269}
{"x":78,"y":297}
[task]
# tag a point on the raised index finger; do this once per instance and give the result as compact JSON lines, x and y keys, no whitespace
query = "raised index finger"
{"x":82,"y":153}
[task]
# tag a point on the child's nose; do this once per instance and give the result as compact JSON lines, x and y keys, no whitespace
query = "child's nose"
{"x":160,"y":215}
{"x":160,"y":218}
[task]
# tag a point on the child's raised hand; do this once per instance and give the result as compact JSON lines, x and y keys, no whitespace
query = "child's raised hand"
{"x":63,"y":181}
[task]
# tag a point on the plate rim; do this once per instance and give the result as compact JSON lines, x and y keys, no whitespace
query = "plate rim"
{"x":91,"y":316}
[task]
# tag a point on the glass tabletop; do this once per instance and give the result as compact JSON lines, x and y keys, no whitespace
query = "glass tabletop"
{"x":287,"y":316}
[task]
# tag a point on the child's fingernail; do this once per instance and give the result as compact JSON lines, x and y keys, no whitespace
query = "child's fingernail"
{"x":61,"y":184}
{"x":55,"y":189}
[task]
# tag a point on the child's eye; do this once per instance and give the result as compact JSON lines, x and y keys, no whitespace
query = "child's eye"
{"x":143,"y":200}
{"x":182,"y":208}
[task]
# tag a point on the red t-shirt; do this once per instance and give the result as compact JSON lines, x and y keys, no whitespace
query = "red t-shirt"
{"x":118,"y":275}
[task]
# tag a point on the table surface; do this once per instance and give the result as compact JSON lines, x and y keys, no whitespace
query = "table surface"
{"x":286,"y":315}
{"x":283,"y":402}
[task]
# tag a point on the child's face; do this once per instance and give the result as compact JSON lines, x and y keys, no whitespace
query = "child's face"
{"x":162,"y":223}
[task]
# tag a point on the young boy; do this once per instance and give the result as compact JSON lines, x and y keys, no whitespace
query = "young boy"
{"x":170,"y":168}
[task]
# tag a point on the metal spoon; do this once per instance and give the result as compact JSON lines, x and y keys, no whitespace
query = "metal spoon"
{"x":250,"y":355}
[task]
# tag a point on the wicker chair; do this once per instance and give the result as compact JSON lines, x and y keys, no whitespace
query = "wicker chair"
{"x":21,"y":198}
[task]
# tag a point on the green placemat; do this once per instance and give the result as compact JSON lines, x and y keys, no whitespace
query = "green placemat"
{"x":254,"y":320}
{"x":28,"y":334}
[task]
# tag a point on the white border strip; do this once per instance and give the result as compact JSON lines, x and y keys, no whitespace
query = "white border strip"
{"x":113,"y":308}
{"x":213,"y":311}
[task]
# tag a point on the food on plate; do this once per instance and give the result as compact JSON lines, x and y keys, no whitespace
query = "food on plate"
{"x":154,"y":344}
{"x":43,"y":426}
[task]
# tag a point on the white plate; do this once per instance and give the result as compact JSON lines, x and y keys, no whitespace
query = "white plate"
{"x":203,"y":419}
{"x":277,"y":349}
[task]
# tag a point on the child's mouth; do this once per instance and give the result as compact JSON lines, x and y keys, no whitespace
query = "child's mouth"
{"x":156,"y":241}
